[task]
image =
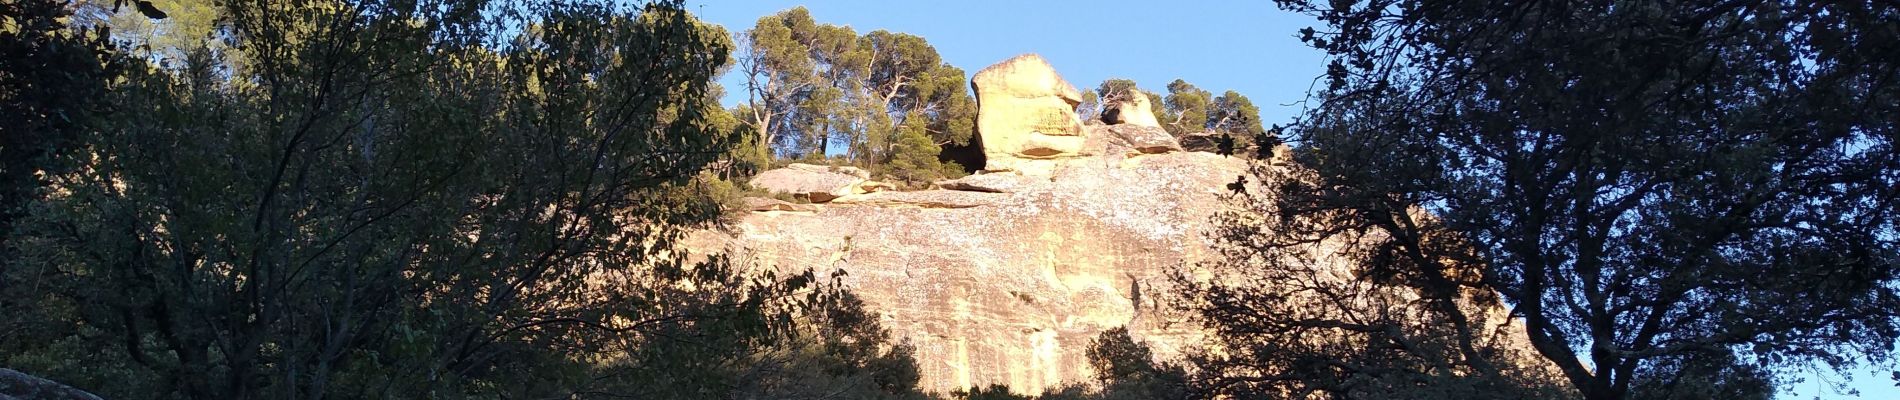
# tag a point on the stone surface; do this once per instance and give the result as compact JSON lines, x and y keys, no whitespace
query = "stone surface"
{"x":875,"y":186}
{"x":1134,"y":110}
{"x":1026,"y":113}
{"x":1004,"y":277}
{"x":1204,"y":141}
{"x":922,"y":199}
{"x":761,"y":204}
{"x":993,"y":183}
{"x":1008,"y":281}
{"x":847,"y":170}
{"x":1140,"y":138}
{"x":816,"y":183}
{"x":15,"y":385}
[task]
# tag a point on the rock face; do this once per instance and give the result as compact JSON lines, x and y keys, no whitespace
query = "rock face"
{"x":816,"y":183}
{"x":1135,"y":110}
{"x":1143,"y":139}
{"x":15,"y":385}
{"x":1005,"y":277}
{"x":1007,"y":280}
{"x":1201,"y":141}
{"x":761,"y":204}
{"x":1026,"y":113}
{"x":922,"y":199}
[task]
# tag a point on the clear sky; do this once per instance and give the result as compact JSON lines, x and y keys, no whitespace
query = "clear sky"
{"x":1249,"y":47}
{"x":1246,"y":46}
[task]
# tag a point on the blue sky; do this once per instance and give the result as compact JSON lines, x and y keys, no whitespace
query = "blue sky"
{"x":1246,"y":46}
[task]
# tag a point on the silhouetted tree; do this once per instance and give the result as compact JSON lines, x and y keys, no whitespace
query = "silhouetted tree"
{"x":1650,"y":187}
{"x":1127,"y":369}
{"x":51,"y":83}
{"x":1236,"y":119}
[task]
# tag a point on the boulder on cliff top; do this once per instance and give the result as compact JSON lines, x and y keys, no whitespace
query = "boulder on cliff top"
{"x":1132,"y":110}
{"x":1025,"y":113}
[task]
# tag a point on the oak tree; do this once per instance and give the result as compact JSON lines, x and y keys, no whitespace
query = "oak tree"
{"x":1655,"y":190}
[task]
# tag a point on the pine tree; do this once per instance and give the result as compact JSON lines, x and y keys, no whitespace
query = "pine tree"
{"x":1188,"y":108}
{"x":816,"y":87}
{"x":1236,"y":118}
{"x":913,"y":157}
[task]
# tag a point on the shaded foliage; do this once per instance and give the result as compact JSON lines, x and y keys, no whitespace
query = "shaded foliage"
{"x":400,"y":199}
{"x":1127,"y":369}
{"x":52,"y":81}
{"x":1294,"y":322}
{"x":1123,"y":369}
{"x":1701,"y":193}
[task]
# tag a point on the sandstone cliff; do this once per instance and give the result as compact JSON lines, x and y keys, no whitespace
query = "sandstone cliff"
{"x":1007,"y":280}
{"x":1005,"y":276}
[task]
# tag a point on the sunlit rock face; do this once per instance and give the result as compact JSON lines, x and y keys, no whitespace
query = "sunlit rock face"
{"x":1008,"y":277}
{"x":1026,"y":113}
{"x":1004,"y":277}
{"x":1133,"y":110}
{"x":815,"y":183}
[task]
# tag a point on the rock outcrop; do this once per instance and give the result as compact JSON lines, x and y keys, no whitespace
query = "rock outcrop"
{"x":1004,"y":277}
{"x":816,"y":183}
{"x":1206,"y":141}
{"x":992,"y":183}
{"x":1008,"y":279}
{"x":15,"y":385}
{"x":761,"y":204}
{"x":1133,"y":110}
{"x":922,"y":199}
{"x":1142,"y":139}
{"x":1026,"y":113}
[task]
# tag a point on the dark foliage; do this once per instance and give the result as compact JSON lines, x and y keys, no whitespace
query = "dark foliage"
{"x":396,"y":199}
{"x":1668,"y":191}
